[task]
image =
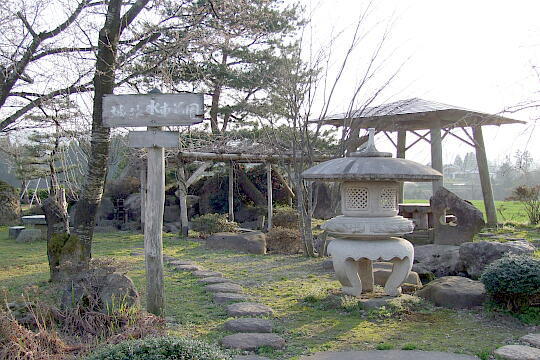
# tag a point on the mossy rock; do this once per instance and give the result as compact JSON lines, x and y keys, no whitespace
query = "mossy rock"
{"x":10,"y":207}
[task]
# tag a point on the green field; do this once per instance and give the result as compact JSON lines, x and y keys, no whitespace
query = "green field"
{"x":308,"y":311}
{"x":507,"y":211}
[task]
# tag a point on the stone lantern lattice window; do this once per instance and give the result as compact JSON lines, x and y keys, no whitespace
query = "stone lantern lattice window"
{"x":370,"y":228}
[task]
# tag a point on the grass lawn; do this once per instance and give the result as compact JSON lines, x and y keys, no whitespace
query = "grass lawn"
{"x":308,"y":313}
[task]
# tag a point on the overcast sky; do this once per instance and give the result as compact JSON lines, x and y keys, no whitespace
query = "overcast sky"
{"x":476,"y":54}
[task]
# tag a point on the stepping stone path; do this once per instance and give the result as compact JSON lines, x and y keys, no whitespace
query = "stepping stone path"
{"x":247,"y":325}
{"x":253,"y":341}
{"x":224,"y":298}
{"x":521,"y":352}
{"x":204,"y":273}
{"x":225,"y":288}
{"x":251,"y":332}
{"x":248,"y":309}
{"x":214,"y":280}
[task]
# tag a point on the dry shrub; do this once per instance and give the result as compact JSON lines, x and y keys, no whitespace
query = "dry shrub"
{"x":286,"y":217}
{"x":20,"y":343}
{"x":284,"y":241}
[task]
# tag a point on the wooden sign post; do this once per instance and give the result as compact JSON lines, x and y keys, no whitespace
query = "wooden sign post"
{"x":153,"y":110}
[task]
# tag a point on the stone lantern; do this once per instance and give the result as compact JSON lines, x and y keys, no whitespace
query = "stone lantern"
{"x":370,"y":228}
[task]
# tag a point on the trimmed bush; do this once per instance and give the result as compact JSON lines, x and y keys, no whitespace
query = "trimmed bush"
{"x":513,"y":281}
{"x":162,"y":348}
{"x":284,"y":241}
{"x":213,"y":223}
{"x":285,"y":217}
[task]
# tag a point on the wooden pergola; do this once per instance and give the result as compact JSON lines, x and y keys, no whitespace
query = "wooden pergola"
{"x":422,"y":118}
{"x":207,"y":159}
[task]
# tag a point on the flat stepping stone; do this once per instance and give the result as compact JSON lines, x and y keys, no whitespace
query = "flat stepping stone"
{"x":214,"y":280}
{"x":192,"y":267}
{"x":249,"y":325}
{"x":224,"y":288}
{"x":253,"y":341}
{"x":248,"y":309}
{"x":168,"y":258}
{"x":387,"y":355}
{"x":176,"y":262}
{"x":250,"y":357}
{"x":136,"y":253}
{"x":533,"y":339}
{"x":204,"y":273}
{"x":223,"y":298}
{"x":518,"y":352}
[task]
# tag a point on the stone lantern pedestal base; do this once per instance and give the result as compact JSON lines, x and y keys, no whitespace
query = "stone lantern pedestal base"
{"x":353,"y":263}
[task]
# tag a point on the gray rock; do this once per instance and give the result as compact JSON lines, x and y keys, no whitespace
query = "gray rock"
{"x":171,"y":213}
{"x":29,"y":235}
{"x":440,"y":260}
{"x":224,"y":288}
{"x":533,"y":339}
{"x":248,"y":309}
{"x":203,"y":274}
{"x":377,"y":302}
{"x":168,"y":258}
{"x":248,"y":325}
{"x":214,"y":280}
{"x":477,"y":255}
{"x":192,"y":267}
{"x":387,"y":355}
{"x":105,"y":212}
{"x":470,"y":220}
{"x":250,"y":357}
{"x":118,"y":290}
{"x":253,"y":341}
{"x":382,"y":271}
{"x":132,"y":204}
{"x":518,"y":352}
{"x":14,"y":231}
{"x":224,"y":298}
{"x":251,"y":242}
{"x":328,"y":264}
{"x":454,"y":292}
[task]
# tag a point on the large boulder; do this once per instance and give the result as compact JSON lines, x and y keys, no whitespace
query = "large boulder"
{"x":439,"y":260}
{"x":469,"y":220}
{"x":454,"y":292}
{"x":326,"y":204}
{"x":132,"y":204}
{"x":475,"y":256}
{"x":105,"y":211}
{"x":10,"y":207}
{"x":171,"y":213}
{"x":382,"y":271}
{"x":100,"y":290}
{"x":250,"y":242}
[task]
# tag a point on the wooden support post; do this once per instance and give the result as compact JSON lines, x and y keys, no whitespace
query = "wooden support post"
{"x":485,"y":181}
{"x":153,"y":245}
{"x":400,"y":153}
{"x":182,"y":196}
{"x":231,"y":191}
{"x":269,"y":194}
{"x":143,"y":178}
{"x":436,"y":153}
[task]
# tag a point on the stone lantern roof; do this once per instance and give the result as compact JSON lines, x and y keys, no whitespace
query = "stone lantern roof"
{"x":369,"y":164}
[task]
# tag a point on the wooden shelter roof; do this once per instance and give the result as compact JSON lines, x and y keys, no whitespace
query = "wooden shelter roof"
{"x":415,"y":114}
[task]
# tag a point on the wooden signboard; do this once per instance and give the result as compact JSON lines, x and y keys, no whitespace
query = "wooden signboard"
{"x":152,"y":110}
{"x":148,"y":139}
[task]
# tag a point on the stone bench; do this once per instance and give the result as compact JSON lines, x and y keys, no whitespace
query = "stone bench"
{"x":37,"y":222}
{"x":14,"y":231}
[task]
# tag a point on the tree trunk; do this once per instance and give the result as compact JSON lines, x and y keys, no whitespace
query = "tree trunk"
{"x":92,"y":191}
{"x":64,"y":251}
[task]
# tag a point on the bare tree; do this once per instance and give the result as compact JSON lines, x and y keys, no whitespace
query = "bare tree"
{"x":307,"y":92}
